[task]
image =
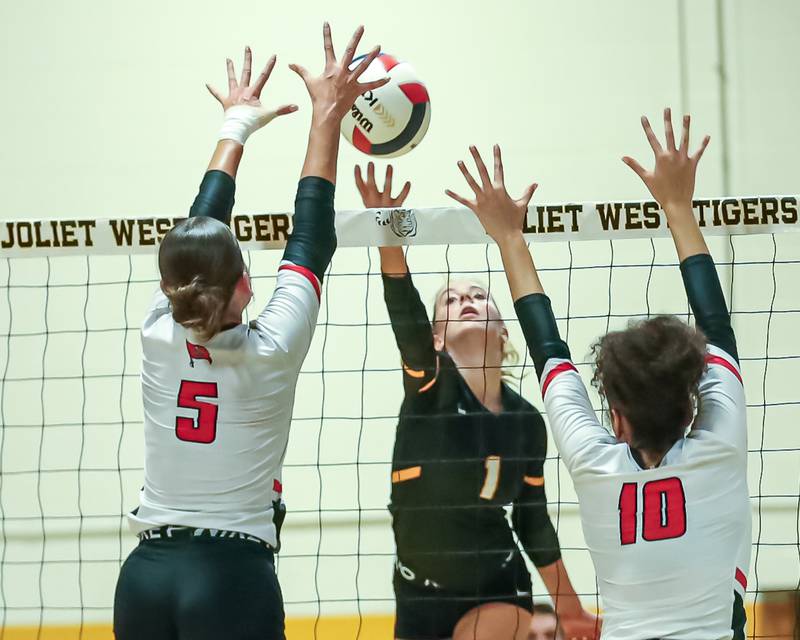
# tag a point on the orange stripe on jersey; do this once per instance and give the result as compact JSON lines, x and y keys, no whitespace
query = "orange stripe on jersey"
{"x":534,"y":481}
{"x":413,"y":372}
{"x":561,"y":368}
{"x":305,"y":272}
{"x":724,"y":363}
{"x":401,"y":475}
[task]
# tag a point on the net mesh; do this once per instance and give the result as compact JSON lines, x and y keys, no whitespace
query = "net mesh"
{"x":71,"y":444}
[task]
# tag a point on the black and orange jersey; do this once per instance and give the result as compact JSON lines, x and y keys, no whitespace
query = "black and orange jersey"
{"x":456,"y":466}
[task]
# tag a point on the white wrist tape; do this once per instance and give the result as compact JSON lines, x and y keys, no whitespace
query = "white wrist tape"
{"x":242,"y":120}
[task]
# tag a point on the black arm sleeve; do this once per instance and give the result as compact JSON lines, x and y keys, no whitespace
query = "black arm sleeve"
{"x":410,"y":324}
{"x":541,"y":331}
{"x":215,"y":198}
{"x":529,"y":516}
{"x":313,"y":238}
{"x":708,"y":303}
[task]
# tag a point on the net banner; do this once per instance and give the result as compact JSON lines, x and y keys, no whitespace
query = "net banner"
{"x":391,"y":227}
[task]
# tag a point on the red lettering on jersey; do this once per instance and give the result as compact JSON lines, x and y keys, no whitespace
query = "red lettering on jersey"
{"x":627,"y":513}
{"x":197,"y":352}
{"x":664,"y":509}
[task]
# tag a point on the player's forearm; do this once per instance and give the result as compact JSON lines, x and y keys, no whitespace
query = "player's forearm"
{"x":393,"y":261}
{"x":227,"y":156}
{"x":323,"y":148}
{"x":523,"y":278}
{"x":556,"y":580}
{"x":410,"y":324}
{"x":685,"y":231}
{"x":215,"y":196}
{"x":534,"y":528}
{"x":313,"y":239}
{"x":540,"y":329}
{"x":704,"y":292}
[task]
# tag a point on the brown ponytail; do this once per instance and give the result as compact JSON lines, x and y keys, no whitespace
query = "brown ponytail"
{"x":200,"y":263}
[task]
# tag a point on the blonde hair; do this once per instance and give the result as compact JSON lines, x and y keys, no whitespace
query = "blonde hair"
{"x":510,"y":354}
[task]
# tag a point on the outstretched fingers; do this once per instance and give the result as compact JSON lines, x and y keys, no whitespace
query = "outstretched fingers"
{"x":371,"y":176}
{"x":669,"y":134}
{"x":214,"y":92}
{"x":638,"y":169}
{"x":247,"y":67}
{"x":482,"y":172}
{"x":330,"y":56}
{"x":360,"y":184}
{"x":300,"y":71}
{"x":462,"y":201}
{"x":468,"y":177}
{"x":499,"y":176}
{"x":655,"y":145}
{"x":403,"y":192}
{"x":231,"y":75}
{"x":365,"y":62}
{"x":261,"y":81}
{"x":685,"y":135}
{"x":699,"y":153}
{"x":286,"y":109}
{"x":352,"y":46}
{"x":387,"y":181}
{"x":525,"y":200}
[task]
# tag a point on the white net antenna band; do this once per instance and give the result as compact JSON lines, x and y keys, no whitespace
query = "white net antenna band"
{"x":386,"y":227}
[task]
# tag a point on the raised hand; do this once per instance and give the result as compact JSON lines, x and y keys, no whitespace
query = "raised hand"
{"x":372,"y":197}
{"x":672,"y":179}
{"x":336,"y":89}
{"x":500,"y":215}
{"x":244,"y":112}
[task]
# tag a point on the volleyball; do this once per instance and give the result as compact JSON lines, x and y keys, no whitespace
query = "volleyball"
{"x":393,"y":119}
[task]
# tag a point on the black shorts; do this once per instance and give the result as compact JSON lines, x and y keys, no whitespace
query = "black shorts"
{"x":427,"y":613}
{"x":201,"y":588}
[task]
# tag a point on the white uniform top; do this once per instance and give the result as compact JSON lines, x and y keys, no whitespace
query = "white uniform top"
{"x":671,"y":544}
{"x":217,"y":414}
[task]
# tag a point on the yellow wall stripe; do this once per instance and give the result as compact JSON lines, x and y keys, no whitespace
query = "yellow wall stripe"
{"x":372,"y":627}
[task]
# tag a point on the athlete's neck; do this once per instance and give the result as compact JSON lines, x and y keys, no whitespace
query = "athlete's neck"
{"x":481,"y":368}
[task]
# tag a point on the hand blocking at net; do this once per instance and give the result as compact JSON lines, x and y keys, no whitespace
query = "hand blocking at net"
{"x":244,"y":113}
{"x":679,"y":370}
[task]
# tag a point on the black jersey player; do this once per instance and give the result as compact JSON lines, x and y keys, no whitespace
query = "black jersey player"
{"x":467,"y":445}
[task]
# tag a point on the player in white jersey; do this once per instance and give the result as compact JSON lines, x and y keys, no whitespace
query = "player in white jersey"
{"x":663,"y":500}
{"x":218,"y":394}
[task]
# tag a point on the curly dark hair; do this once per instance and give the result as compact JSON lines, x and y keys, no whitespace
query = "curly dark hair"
{"x":650,"y":373}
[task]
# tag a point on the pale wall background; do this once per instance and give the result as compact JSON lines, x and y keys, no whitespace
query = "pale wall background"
{"x":105,"y":114}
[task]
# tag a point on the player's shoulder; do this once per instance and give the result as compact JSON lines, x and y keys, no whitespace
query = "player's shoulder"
{"x":513,"y":401}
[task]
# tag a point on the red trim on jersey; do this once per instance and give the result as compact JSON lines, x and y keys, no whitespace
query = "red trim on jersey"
{"x":564,"y":366}
{"x":303,"y":271}
{"x":723,"y":362}
{"x":277,"y":487}
{"x":388,"y":62}
{"x":360,"y":141}
{"x":415,"y":91}
{"x":741,"y":578}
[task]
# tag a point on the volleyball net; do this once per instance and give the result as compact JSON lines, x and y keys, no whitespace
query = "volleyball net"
{"x":72,"y":296}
